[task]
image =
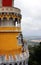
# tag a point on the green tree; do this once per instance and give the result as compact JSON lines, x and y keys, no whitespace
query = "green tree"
{"x":35,"y":55}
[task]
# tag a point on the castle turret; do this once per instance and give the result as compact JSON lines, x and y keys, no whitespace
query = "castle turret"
{"x":11,"y":39}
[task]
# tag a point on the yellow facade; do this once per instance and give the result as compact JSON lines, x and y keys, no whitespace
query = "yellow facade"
{"x":10,"y":28}
{"x":8,"y":41}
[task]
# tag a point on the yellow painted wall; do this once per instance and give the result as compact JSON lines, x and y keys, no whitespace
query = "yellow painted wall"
{"x":9,"y":43}
{"x":10,"y":28}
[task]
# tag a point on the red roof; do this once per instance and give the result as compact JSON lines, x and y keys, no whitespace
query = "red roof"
{"x":7,"y":3}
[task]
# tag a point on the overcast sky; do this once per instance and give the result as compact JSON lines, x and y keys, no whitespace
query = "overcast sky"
{"x":31,"y":16}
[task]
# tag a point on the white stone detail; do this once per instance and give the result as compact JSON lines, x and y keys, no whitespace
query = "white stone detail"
{"x":10,"y":9}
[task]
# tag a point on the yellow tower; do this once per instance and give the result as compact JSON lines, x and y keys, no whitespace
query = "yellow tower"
{"x":11,"y":39}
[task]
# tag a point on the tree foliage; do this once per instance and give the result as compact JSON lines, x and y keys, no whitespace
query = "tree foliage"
{"x":35,"y":55}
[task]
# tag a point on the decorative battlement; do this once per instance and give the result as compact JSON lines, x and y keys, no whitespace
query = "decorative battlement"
{"x":10,"y":9}
{"x":14,"y":59}
{"x":9,"y":12}
{"x":10,"y":16}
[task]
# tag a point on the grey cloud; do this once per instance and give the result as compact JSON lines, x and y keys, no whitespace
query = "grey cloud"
{"x":31,"y":12}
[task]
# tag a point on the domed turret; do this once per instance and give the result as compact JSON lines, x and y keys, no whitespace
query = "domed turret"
{"x":11,"y":39}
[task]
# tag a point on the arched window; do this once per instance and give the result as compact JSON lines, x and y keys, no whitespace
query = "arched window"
{"x":16,"y":19}
{"x":15,"y":22}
